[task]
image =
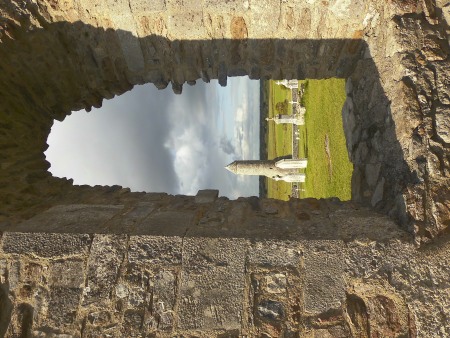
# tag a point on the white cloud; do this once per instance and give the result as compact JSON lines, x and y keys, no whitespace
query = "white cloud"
{"x":151,"y":140}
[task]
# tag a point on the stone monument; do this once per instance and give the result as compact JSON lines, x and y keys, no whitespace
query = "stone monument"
{"x":290,"y":84}
{"x":282,"y":170}
{"x":297,"y":118}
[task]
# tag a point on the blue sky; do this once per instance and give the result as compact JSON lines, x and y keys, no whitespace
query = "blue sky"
{"x":153,"y":140}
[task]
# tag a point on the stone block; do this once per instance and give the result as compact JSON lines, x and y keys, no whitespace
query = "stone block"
{"x":177,"y":88}
{"x":3,"y":270}
{"x":187,"y":25}
{"x":212,"y":283}
{"x":233,"y":72}
{"x":225,"y":6}
{"x":132,"y":323}
{"x":349,"y":87}
{"x":126,"y":223}
{"x":101,"y":323}
{"x":155,"y":251}
{"x":206,"y":196}
{"x":263,"y":22}
{"x":137,"y":296}
{"x":356,"y":183}
{"x":338,"y":331}
{"x":238,"y":28}
{"x":63,"y":305}
{"x":140,"y":211}
{"x":14,"y":274}
{"x":348,"y":119}
{"x":33,"y":273}
{"x":106,"y":256}
{"x":154,"y":76}
{"x":270,"y":309}
{"x":222,"y":75}
{"x":378,"y":193}
{"x":165,"y":223}
{"x":443,"y":82}
{"x":163,"y":290}
{"x":154,"y":196}
{"x":144,"y":6}
{"x":442,"y":118}
{"x":131,"y":47}
{"x":99,"y":318}
{"x":372,"y":172}
{"x":67,"y":273}
{"x":108,"y":6}
{"x":185,"y":4}
{"x":255,"y":73}
{"x":76,"y":218}
{"x":324,"y":287}
{"x":275,"y":283}
{"x":48,"y":245}
{"x":275,"y":254}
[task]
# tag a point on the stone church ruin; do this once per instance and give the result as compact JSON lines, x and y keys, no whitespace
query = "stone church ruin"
{"x":80,"y":261}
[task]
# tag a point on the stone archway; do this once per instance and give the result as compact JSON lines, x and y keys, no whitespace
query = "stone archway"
{"x":93,"y":57}
{"x":58,"y":58}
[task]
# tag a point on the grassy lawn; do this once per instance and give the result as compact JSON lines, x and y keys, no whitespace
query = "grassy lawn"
{"x":279,"y":140}
{"x":322,"y":141}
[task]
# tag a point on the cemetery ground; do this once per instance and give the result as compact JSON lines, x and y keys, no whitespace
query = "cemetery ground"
{"x":321,"y":140}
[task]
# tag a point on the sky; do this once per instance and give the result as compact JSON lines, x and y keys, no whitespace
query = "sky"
{"x":155,"y":141}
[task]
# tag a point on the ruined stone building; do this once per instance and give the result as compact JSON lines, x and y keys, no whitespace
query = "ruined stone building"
{"x":80,"y":261}
{"x":297,"y":118}
{"x":290,"y":84}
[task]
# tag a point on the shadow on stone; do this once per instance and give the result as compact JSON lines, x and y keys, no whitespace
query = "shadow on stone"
{"x":86,"y":65}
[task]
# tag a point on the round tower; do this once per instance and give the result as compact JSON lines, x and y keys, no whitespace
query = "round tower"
{"x":285,"y":170}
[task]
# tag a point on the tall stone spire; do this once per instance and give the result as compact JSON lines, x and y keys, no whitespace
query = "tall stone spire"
{"x":282,"y":170}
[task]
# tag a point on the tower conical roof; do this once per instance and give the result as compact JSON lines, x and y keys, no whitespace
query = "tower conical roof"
{"x":232,"y":167}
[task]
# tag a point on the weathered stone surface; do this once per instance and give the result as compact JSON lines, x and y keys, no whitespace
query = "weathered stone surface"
{"x":128,"y":222}
{"x":164,"y":286}
{"x":63,"y":305}
{"x":324,"y":287}
{"x":270,"y":309}
{"x":155,"y":250}
{"x":248,"y":267}
{"x":105,"y":258}
{"x":372,"y":173}
{"x":206,"y":196}
{"x":71,"y":218}
{"x":14,"y":274}
{"x":45,"y":244}
{"x":443,"y":124}
{"x":3,"y":270}
{"x":212,"y":283}
{"x":67,"y":273}
{"x":144,"y":7}
{"x":378,"y":193}
{"x":167,"y":223}
{"x":276,"y":254}
{"x":275,"y":300}
{"x":276,"y":283}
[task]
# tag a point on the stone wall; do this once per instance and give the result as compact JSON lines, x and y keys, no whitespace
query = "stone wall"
{"x":92,"y":261}
{"x":202,"y":266}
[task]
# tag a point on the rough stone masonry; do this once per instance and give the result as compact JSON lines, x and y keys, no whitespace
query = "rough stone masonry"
{"x":79,"y":261}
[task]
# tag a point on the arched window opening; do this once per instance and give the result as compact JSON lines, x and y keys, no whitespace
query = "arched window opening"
{"x":154,"y":140}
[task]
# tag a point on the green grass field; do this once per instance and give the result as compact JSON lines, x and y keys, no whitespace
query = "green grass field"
{"x":322,"y":141}
{"x":279,"y":139}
